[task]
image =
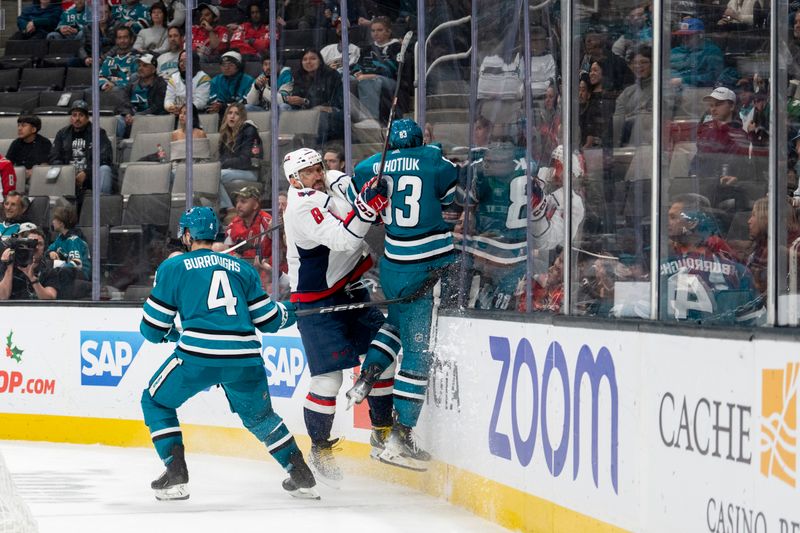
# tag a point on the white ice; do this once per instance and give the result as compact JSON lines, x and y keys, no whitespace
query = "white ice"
{"x":87,"y":489}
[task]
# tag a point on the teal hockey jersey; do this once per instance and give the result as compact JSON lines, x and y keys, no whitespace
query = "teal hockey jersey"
{"x":71,"y":246}
{"x":421,"y":182}
{"x":220,"y":302}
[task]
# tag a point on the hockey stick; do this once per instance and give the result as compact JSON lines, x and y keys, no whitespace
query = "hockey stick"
{"x":400,"y":60}
{"x":238,"y":245}
{"x":430,"y":282}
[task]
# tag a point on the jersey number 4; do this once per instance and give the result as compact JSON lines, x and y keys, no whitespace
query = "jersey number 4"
{"x":220,"y":293}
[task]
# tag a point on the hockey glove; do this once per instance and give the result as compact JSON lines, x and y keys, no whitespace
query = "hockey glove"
{"x":172,"y":335}
{"x":542,"y":205}
{"x":288,"y":311}
{"x":372,"y":199}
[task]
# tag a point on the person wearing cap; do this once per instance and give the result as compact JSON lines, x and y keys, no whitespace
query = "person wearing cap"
{"x":119,"y":65}
{"x":250,"y":223}
{"x":143,"y":97}
{"x":154,"y":38}
{"x":208,"y":39}
{"x":73,"y":146}
{"x":131,"y":14}
{"x":251,"y":38}
{"x":72,"y":23}
{"x":259,"y":98}
{"x":176,"y":85}
{"x":332,"y":53}
{"x":231,"y":85}
{"x":30,"y":147}
{"x":696,"y":61}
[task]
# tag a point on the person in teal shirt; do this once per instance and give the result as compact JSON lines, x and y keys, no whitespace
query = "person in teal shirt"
{"x":68,"y":245}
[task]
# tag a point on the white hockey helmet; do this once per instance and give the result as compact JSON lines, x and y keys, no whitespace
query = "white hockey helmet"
{"x":578,"y":162}
{"x":297,"y":160}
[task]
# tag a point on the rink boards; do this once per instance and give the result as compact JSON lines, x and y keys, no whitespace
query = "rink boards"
{"x":536,"y":427}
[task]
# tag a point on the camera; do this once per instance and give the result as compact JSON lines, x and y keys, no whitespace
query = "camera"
{"x":23,"y":250}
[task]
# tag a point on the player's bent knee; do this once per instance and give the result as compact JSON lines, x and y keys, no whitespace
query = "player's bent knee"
{"x":326,"y":385}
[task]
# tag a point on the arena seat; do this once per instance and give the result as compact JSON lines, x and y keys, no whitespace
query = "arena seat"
{"x":23,"y":53}
{"x":64,"y":185}
{"x":78,"y":78}
{"x":42,"y":79}
{"x":16,"y":103}
{"x":110,"y":211}
{"x":146,"y":178}
{"x":205,"y":181}
{"x":9,"y":79}
{"x":4,"y":144}
{"x":60,"y":52}
{"x":50,"y":102}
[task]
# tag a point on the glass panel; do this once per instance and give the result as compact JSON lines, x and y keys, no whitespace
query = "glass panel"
{"x":788,"y":227}
{"x":716,"y":162}
{"x":612,"y":160}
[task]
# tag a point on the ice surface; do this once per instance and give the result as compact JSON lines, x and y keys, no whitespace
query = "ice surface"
{"x":86,"y":489}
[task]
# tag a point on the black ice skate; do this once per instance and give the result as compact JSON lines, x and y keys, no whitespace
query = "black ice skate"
{"x":363,"y":385}
{"x":377,"y":440}
{"x":301,"y":482}
{"x":402,"y":450}
{"x":172,"y":485}
{"x":323,"y":463}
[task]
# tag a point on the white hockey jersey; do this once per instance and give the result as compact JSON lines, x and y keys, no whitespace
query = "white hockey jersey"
{"x":325,"y":240}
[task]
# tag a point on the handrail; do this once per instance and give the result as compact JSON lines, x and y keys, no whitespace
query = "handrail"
{"x":448,"y":57}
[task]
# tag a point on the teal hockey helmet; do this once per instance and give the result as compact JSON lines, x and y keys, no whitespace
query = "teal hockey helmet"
{"x":201,"y":222}
{"x":405,"y":133}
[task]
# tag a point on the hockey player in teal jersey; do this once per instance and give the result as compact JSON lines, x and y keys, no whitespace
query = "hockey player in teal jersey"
{"x":418,"y":247}
{"x":221,"y":304}
{"x":497,"y":242}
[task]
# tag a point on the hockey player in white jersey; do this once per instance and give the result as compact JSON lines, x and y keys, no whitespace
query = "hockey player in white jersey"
{"x":327,"y":256}
{"x":547,"y":209}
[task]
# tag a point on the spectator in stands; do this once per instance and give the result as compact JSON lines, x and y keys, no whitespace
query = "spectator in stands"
{"x":790,"y":56}
{"x":69,"y":246}
{"x":333,"y":157}
{"x":376,"y":71}
{"x":73,"y":146}
{"x":131,"y":14}
{"x":719,"y":138}
{"x":617,"y":75}
{"x":696,"y":61}
{"x":738,"y":14}
{"x":179,"y":133}
{"x":317,"y":86}
{"x":332,"y":53}
{"x":120,"y":64}
{"x":302,"y":14}
{"x":636,"y":99}
{"x":251,"y":38}
{"x":37,"y":20}
{"x":176,"y":13}
{"x":29,"y":148}
{"x":549,"y":122}
{"x":250,"y":223}
{"x":599,"y":110}
{"x":15,"y":207}
{"x":144,"y":97}
{"x":168,"y":61}
{"x":176,"y":86}
{"x":201,"y":147}
{"x":543,"y":65}
{"x":638,"y":32}
{"x":260,"y":94}
{"x":107,"y":35}
{"x":154,"y":39}
{"x":32,"y":281}
{"x":209,"y":40}
{"x":230,"y":86}
{"x":72,"y":22}
{"x":239,"y":150}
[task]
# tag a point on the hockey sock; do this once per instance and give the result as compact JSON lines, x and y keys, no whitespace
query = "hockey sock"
{"x":318,"y":413}
{"x":380,"y":410}
{"x":281,"y":445}
{"x":165,"y":435}
{"x":384,"y":347}
{"x":409,"y":395}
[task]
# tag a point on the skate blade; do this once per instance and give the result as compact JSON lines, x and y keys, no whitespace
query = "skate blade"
{"x":176,"y":492}
{"x":403,"y":462}
{"x":305,"y":494}
{"x":375,"y":453}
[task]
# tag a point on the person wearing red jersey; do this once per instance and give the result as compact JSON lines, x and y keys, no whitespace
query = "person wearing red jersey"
{"x":208,"y":39}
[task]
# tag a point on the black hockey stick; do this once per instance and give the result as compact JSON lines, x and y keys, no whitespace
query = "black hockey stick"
{"x":400,"y":60}
{"x":238,"y":245}
{"x":430,"y":282}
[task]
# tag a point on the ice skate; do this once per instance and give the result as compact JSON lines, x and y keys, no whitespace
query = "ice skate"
{"x":323,"y":463}
{"x":377,"y":440}
{"x":402,"y":450}
{"x":363,"y":385}
{"x":173,"y":483}
{"x":301,"y":482}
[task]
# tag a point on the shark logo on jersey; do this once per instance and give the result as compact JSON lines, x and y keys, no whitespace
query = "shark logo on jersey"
{"x":285,"y":362}
{"x":107,"y":355}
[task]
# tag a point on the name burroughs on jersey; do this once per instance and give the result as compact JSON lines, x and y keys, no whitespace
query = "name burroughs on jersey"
{"x":702,"y":265}
{"x":209,"y":261}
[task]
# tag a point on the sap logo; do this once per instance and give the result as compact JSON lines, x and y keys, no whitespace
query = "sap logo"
{"x":285,"y":362}
{"x":523,"y":362}
{"x":106,"y":356}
